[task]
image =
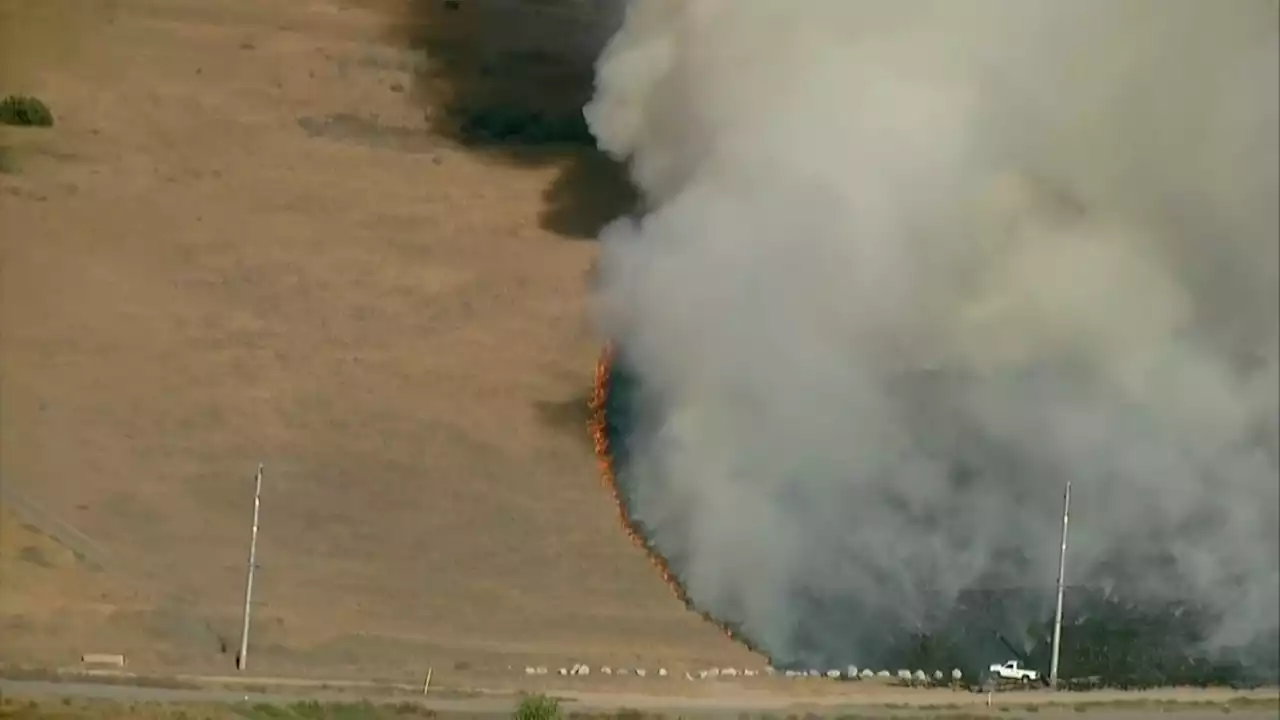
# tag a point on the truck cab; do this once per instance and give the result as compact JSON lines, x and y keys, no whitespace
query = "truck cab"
{"x":1013,"y":670}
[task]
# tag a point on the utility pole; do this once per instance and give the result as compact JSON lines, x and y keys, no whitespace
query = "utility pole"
{"x":242,"y":658}
{"x":1062,"y":568}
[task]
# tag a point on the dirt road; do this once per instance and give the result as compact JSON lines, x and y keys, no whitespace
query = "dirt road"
{"x":884,"y":702}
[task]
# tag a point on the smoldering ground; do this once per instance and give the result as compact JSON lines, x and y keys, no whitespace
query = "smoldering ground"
{"x":908,"y":267}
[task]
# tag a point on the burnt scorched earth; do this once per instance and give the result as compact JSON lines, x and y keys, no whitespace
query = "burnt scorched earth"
{"x":1108,"y":639}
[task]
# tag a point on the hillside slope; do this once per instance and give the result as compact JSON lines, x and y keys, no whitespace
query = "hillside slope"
{"x":243,"y":243}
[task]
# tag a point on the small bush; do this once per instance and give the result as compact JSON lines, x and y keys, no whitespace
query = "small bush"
{"x":538,"y":707}
{"x":25,"y":111}
{"x":308,"y":710}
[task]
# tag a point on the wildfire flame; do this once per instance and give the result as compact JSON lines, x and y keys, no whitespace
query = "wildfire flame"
{"x":600,"y":438}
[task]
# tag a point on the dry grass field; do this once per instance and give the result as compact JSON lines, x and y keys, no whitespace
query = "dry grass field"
{"x":256,"y":234}
{"x":251,"y":236}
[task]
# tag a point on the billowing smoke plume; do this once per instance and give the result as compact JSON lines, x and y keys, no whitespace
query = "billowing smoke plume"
{"x":908,"y":267}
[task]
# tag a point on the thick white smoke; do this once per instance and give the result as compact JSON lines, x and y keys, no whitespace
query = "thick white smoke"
{"x":907,"y":266}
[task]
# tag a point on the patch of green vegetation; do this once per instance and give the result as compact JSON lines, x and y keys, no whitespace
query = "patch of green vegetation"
{"x":363,"y":710}
{"x":538,"y":707}
{"x":92,"y":709}
{"x":308,"y":710}
{"x":1172,"y":705}
{"x":25,"y":111}
{"x":262,"y":711}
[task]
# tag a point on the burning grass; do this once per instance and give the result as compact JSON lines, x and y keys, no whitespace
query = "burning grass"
{"x":598,"y":427}
{"x":1109,"y":641}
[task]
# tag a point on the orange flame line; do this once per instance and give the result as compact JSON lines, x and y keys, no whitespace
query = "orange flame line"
{"x":600,"y":438}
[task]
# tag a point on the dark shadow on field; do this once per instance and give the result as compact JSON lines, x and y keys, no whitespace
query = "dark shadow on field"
{"x":569,"y":416}
{"x":508,"y":78}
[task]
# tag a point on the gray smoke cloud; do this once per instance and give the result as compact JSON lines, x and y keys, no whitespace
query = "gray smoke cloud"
{"x":907,"y":267}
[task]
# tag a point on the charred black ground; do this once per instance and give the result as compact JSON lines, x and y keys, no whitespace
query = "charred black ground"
{"x":1109,"y":637}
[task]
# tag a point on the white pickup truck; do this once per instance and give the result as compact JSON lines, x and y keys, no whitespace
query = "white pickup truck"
{"x":1013,"y":670}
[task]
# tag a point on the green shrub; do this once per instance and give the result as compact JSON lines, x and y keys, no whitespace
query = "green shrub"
{"x":538,"y":707}
{"x":25,"y":111}
{"x":308,"y":710}
{"x":363,"y":710}
{"x":267,"y":711}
